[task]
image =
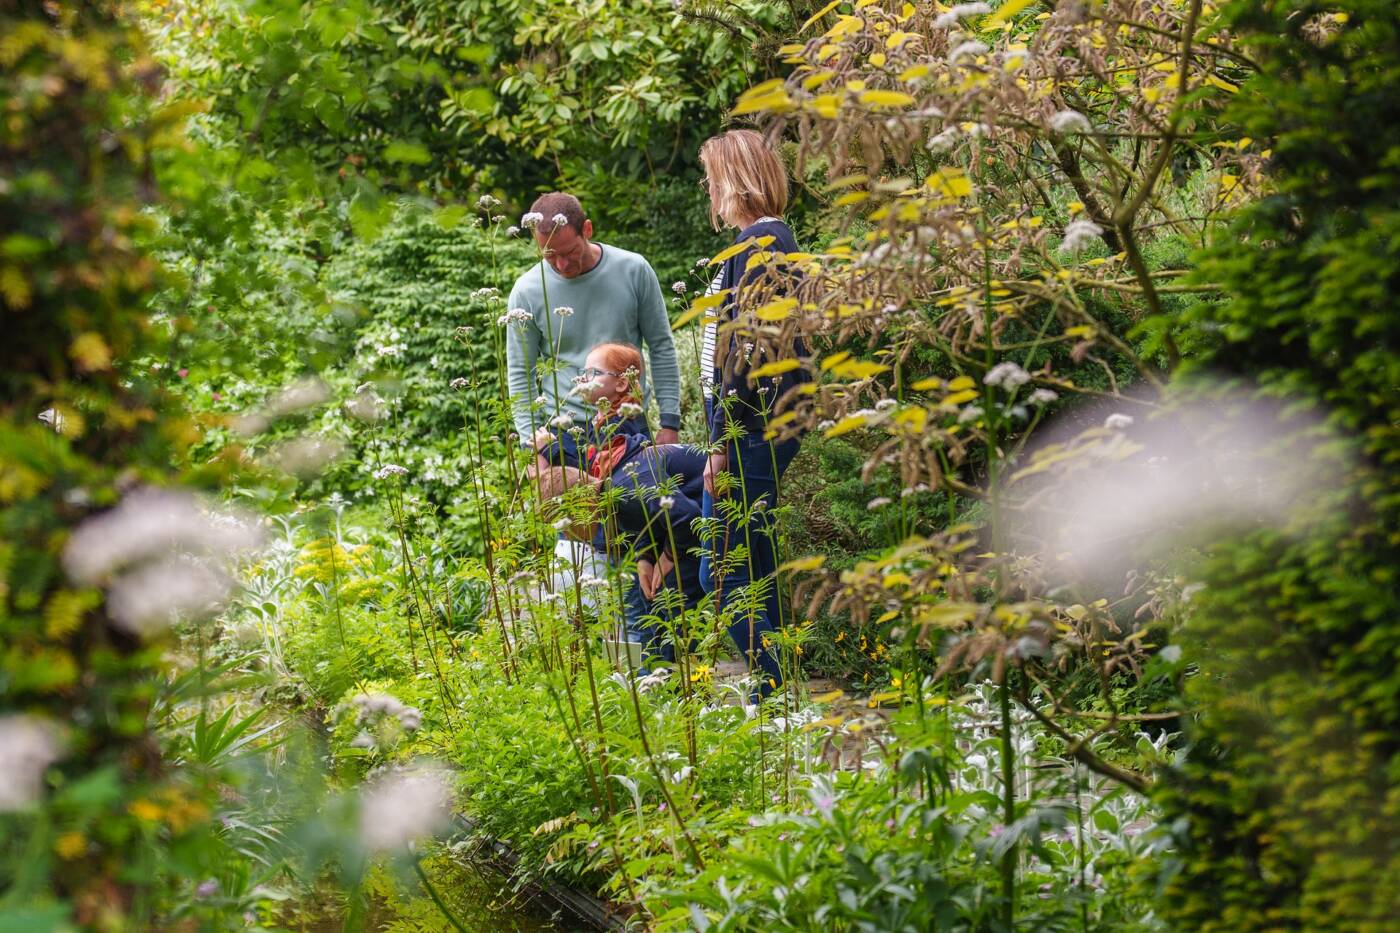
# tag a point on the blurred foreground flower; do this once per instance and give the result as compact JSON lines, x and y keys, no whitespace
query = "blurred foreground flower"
{"x":404,"y":804}
{"x":28,"y":745}
{"x":1100,"y":500}
{"x":163,"y":554}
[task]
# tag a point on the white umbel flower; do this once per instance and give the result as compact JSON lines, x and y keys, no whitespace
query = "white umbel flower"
{"x":559,"y":220}
{"x":949,"y":19}
{"x":28,"y":745}
{"x":1079,"y":234}
{"x":1067,"y":122}
{"x":1010,"y":376}
{"x":531,"y":220}
{"x":404,"y":805}
{"x":629,"y":409}
{"x":564,"y":311}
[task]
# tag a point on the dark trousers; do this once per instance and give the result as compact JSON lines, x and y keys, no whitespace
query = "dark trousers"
{"x":757,"y":467}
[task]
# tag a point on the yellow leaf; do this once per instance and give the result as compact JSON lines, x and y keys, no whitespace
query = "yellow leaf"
{"x":877,"y":59}
{"x":924,"y":385}
{"x":957,"y":398}
{"x":960,"y":383}
{"x":914,"y":72}
{"x":885,"y":617}
{"x":829,"y":697}
{"x":886,"y":98}
{"x":775,"y":310}
{"x":826,"y":106}
{"x":802,"y":564}
{"x":851,"y":197}
{"x":845,"y":426}
{"x":90,"y":352}
{"x":769,"y":96}
{"x":858,"y":369}
{"x":950,"y":182}
{"x":1007,"y":10}
{"x":817,"y":79}
{"x":699,"y":307}
{"x":1081,"y":330}
{"x":818,"y":15}
{"x":897,"y":38}
{"x":835,"y":359}
{"x":730,"y":252}
{"x":775,"y":368}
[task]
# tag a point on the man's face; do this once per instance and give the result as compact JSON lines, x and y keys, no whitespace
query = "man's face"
{"x":566,"y":250}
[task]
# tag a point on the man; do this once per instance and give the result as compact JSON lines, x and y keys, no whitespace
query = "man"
{"x":583,"y":294}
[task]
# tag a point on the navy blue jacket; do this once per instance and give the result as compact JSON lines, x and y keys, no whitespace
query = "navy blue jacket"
{"x":570,"y":450}
{"x":640,"y":521}
{"x":747,"y":405}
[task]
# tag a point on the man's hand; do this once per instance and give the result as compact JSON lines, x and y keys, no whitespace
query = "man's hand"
{"x":668,"y":436}
{"x":716,"y":465}
{"x":646,"y":576}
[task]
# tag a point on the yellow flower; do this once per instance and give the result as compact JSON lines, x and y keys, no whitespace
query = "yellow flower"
{"x":145,"y":810}
{"x":70,"y":845}
{"x":700,"y":673}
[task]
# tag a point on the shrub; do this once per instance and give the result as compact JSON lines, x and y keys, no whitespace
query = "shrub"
{"x":1289,"y":807}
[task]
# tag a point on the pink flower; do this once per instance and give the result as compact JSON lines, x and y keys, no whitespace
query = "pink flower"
{"x":218,"y":396}
{"x":182,"y":373}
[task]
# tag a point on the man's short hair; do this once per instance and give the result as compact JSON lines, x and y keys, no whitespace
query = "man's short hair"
{"x":554,"y":481}
{"x":559,"y":202}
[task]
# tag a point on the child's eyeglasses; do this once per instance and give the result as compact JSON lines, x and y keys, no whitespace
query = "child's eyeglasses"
{"x":593,"y":372}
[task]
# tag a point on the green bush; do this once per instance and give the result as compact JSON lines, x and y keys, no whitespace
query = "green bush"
{"x":1288,"y":807}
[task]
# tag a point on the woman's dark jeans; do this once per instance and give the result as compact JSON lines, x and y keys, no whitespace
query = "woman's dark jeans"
{"x":757,"y":467}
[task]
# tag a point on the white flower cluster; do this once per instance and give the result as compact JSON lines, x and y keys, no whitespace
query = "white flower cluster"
{"x":1043,"y":396}
{"x":162,"y":555}
{"x":28,"y":745}
{"x":949,"y":19}
{"x":1118,"y":422}
{"x":1079,"y":234}
{"x":486,"y":292}
{"x":564,"y":311}
{"x":590,"y":582}
{"x":1010,"y":376}
{"x":678,"y":287}
{"x":516,"y":316}
{"x":629,"y":409}
{"x":666,"y":502}
{"x":388,"y":470}
{"x":459,"y":383}
{"x":403,"y":805}
{"x":557,"y":221}
{"x":562,"y":420}
{"x":531,"y":220}
{"x":512,"y":230}
{"x":374,"y":706}
{"x":1067,"y":122}
{"x":486,"y":202}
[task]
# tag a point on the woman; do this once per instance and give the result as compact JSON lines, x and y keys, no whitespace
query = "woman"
{"x":749,"y":191}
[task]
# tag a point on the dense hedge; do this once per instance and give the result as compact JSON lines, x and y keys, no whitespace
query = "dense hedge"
{"x":1288,"y":807}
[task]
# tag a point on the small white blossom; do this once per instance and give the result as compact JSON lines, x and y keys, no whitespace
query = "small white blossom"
{"x":404,"y":805}
{"x":516,"y":316}
{"x":959,"y":11}
{"x":1008,"y":375}
{"x":541,"y":401}
{"x":678,"y":288}
{"x":1070,"y":121}
{"x":390,"y":469}
{"x":590,"y":582}
{"x":459,"y":383}
{"x":1118,"y":422}
{"x":1079,"y":234}
{"x":531,"y":220}
{"x":564,"y":311}
{"x":562,"y":420}
{"x":559,"y":220}
{"x":702,"y":262}
{"x":666,"y":502}
{"x":1043,"y":396}
{"x":512,"y":230}
{"x":486,"y":202}
{"x":942,"y":142}
{"x":970,"y":413}
{"x":485,"y":291}
{"x":28,"y":745}
{"x":562,"y":524}
{"x":629,"y":409}
{"x":969,"y":49}
{"x":878,"y":502}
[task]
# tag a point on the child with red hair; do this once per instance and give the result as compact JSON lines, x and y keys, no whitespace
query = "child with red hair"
{"x":609,"y":381}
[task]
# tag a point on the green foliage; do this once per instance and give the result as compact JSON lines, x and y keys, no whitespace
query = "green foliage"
{"x":1289,"y":798}
{"x":78,"y":427}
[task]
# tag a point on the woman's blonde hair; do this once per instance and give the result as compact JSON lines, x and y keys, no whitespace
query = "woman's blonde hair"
{"x":747,"y":179}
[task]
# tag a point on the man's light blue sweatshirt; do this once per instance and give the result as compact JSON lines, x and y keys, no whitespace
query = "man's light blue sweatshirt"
{"x":617,"y":301}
